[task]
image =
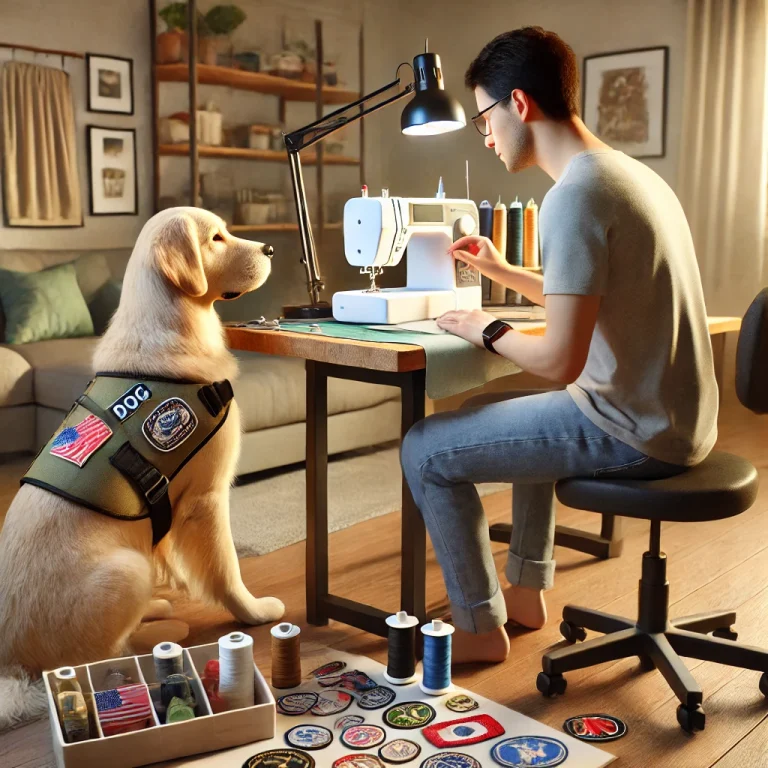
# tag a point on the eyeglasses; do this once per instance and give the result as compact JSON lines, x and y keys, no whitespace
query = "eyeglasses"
{"x":481,"y":123}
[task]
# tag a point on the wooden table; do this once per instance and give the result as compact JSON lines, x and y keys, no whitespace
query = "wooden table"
{"x":402,"y":366}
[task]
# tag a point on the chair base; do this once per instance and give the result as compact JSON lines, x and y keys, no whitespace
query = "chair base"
{"x":658,"y":642}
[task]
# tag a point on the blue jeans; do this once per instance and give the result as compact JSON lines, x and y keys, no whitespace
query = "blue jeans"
{"x":529,"y":441}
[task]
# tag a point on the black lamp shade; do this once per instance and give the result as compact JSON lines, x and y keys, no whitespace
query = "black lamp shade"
{"x":431,"y":110}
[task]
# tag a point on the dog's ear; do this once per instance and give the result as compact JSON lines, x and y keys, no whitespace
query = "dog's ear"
{"x":178,"y":256}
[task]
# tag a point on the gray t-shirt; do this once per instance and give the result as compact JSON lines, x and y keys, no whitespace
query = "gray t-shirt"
{"x":612,"y":227}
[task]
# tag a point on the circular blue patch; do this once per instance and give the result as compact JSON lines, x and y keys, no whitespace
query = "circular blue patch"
{"x":452,"y":760}
{"x":529,"y":751}
{"x":309,"y":737}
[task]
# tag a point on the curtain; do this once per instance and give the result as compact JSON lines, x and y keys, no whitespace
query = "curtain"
{"x":42,"y":188}
{"x":722,"y":182}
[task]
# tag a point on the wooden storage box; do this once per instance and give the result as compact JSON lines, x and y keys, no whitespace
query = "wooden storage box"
{"x":206,"y":733}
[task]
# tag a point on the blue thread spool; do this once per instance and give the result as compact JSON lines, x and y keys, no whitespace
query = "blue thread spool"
{"x":437,"y":658}
{"x":401,"y":649}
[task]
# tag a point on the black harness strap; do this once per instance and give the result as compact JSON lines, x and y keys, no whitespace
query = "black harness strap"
{"x":152,"y":484}
{"x":215,"y":397}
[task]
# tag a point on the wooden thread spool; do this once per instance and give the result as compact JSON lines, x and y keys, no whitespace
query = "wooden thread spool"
{"x":531,"y":235}
{"x":286,"y":655}
{"x":499,"y":239}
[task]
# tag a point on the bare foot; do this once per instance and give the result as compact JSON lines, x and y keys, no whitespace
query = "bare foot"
{"x":467,"y":647}
{"x":526,"y":606}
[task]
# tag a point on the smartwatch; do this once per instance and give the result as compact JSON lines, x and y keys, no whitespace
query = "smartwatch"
{"x":493,"y":332}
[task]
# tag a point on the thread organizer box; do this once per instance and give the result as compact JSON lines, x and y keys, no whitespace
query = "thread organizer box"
{"x":206,"y":733}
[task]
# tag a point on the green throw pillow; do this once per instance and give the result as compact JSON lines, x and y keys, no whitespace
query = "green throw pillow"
{"x":43,"y":305}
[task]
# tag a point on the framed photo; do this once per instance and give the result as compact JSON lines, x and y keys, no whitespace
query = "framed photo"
{"x":625,"y":99}
{"x":112,"y":171}
{"x":110,"y":84}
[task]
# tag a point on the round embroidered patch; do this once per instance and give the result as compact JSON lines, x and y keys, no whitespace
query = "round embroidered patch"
{"x":309,"y":737}
{"x":290,"y":758}
{"x":363,"y":736}
{"x":451,"y":760}
{"x":331,"y":668}
{"x":461,"y":703}
{"x":595,"y":727}
{"x":399,"y":751}
{"x":529,"y":752}
{"x":297,"y":703}
{"x":410,"y":714}
{"x":346,"y":720}
{"x":331,"y":703}
{"x":358,"y":761}
{"x":376,"y":698}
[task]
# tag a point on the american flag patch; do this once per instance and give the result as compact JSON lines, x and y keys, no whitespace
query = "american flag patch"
{"x":78,"y":443}
{"x":124,"y":709}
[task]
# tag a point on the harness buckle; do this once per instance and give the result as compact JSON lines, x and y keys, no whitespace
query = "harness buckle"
{"x":157,"y":491}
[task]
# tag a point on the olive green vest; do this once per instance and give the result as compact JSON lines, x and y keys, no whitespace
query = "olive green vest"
{"x":124,"y":441}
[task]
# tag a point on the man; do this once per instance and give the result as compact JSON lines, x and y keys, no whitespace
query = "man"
{"x":626,"y":332}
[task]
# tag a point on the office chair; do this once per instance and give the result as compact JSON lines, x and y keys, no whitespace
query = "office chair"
{"x":721,"y":486}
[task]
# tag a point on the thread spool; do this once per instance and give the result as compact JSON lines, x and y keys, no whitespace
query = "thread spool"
{"x":286,"y":655}
{"x":168,"y":660}
{"x":437,"y":658}
{"x":401,"y":649}
{"x":514,"y":243}
{"x":236,"y":670}
{"x":485,"y":212}
{"x":73,"y":716}
{"x":531,"y":235}
{"x":499,"y":238}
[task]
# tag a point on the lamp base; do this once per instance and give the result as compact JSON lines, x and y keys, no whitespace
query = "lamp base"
{"x":319,"y":311}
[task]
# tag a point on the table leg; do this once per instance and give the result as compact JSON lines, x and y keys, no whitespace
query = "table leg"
{"x":317,"y":494}
{"x":413,"y":568}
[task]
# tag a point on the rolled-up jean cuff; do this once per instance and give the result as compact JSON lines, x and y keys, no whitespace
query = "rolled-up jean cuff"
{"x":482,"y":617}
{"x":534,"y":574}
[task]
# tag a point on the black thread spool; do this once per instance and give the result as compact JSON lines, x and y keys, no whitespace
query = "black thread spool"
{"x":401,"y":651}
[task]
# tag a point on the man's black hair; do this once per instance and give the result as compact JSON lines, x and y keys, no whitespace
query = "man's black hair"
{"x":538,"y":62}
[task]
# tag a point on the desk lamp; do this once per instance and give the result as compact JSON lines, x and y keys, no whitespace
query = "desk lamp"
{"x":431,"y":111}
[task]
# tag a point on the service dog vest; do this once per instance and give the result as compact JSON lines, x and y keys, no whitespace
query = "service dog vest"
{"x":124,"y":441}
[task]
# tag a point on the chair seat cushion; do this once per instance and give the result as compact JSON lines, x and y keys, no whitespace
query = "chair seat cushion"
{"x":723,"y":485}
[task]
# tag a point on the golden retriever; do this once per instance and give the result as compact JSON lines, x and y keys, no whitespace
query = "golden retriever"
{"x":75,"y":585}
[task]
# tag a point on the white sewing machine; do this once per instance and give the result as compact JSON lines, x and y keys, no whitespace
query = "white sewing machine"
{"x":376,"y":233}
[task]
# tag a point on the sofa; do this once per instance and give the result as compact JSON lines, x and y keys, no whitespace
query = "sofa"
{"x":40,"y":380}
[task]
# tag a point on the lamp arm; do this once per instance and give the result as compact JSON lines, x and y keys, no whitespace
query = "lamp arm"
{"x":306,"y":137}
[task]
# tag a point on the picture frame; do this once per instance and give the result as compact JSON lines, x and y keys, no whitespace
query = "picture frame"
{"x":624,"y":99}
{"x":112,"y":171}
{"x":109,"y":84}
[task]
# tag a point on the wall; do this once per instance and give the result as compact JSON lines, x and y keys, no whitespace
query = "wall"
{"x":589,"y":26}
{"x":109,"y":27}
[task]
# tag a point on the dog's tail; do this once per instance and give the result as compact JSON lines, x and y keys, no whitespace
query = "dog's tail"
{"x":22,"y":699}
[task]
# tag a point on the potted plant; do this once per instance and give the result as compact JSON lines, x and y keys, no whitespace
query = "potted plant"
{"x":170,"y":44}
{"x":220,"y":22}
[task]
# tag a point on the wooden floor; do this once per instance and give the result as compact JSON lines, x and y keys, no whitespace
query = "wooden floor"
{"x":711,"y":565}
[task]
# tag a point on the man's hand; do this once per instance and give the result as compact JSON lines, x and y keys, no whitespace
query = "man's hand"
{"x":480,"y":253}
{"x":469,"y":324}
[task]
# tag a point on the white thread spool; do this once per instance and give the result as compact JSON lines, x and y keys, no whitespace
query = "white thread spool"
{"x":168,"y":660}
{"x":66,"y":680}
{"x":236,"y":670}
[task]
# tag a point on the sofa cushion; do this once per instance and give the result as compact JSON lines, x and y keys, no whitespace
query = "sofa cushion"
{"x":62,"y":369}
{"x":16,"y":378}
{"x":271,"y":391}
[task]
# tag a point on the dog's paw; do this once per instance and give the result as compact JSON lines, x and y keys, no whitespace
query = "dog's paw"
{"x":264,"y":610}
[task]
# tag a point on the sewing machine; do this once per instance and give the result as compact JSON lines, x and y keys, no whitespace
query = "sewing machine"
{"x":376,"y":233}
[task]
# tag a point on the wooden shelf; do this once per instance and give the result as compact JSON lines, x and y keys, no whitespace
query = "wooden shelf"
{"x":292,"y":90}
{"x":282,"y":227}
{"x":241,"y":153}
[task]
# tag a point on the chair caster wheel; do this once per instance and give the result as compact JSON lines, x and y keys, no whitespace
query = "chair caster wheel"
{"x":764,"y":684}
{"x":691,"y":718}
{"x":551,"y":685}
{"x":571,"y":632}
{"x":725,"y":633}
{"x":646,"y":664}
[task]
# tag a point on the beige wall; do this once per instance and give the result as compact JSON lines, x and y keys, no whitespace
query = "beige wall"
{"x":109,"y":27}
{"x":589,"y":26}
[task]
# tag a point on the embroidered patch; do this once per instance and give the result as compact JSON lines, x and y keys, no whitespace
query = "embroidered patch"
{"x":595,"y":727}
{"x":77,"y":444}
{"x":331,"y":668}
{"x":346,"y":720}
{"x":410,"y":714}
{"x":170,"y":424}
{"x":297,"y":703}
{"x":451,"y":760}
{"x":399,"y":751}
{"x":363,"y":736}
{"x":128,"y":403}
{"x":309,"y":737}
{"x":376,"y":698}
{"x":461,"y":703}
{"x":331,"y":703}
{"x":540,"y":751}
{"x":292,"y":758}
{"x":460,"y":733}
